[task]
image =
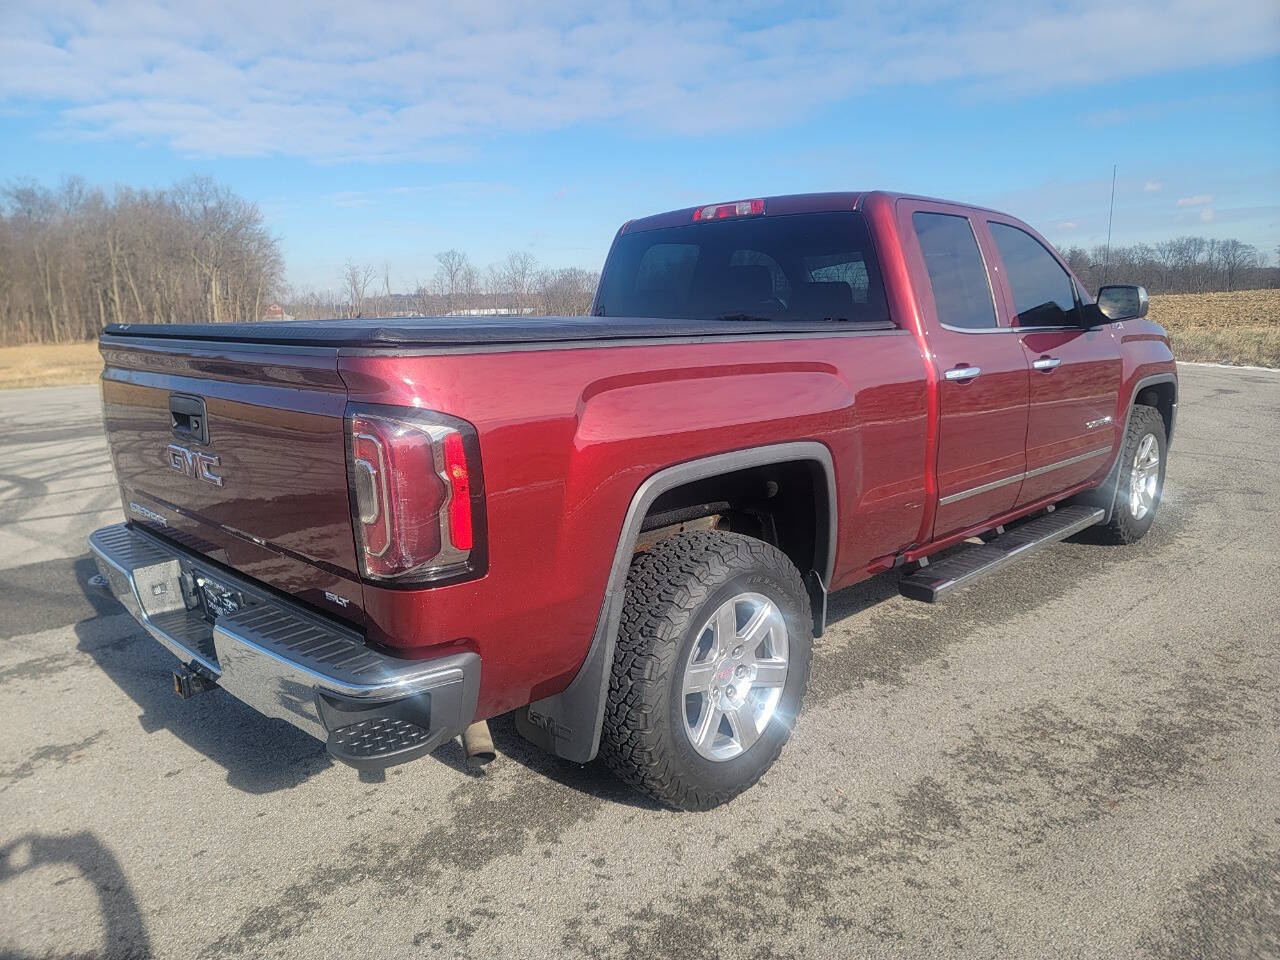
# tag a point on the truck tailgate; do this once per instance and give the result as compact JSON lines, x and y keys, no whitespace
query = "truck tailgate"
{"x":260,"y":485}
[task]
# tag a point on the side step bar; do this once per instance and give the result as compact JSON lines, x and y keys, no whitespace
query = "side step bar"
{"x":930,"y":584}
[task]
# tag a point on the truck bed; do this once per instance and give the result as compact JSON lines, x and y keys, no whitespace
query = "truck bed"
{"x":469,"y":330}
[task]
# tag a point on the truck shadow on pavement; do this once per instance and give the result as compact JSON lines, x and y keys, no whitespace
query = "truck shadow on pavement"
{"x":86,"y":858}
{"x":260,"y":755}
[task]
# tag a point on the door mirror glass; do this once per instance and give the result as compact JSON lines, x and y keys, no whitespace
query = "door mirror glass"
{"x":1121,"y":302}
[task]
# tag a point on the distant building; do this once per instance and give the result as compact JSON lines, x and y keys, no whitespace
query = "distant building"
{"x":276,"y":312}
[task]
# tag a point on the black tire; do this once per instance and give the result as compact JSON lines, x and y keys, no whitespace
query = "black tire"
{"x":672,"y":590}
{"x":1124,"y":527}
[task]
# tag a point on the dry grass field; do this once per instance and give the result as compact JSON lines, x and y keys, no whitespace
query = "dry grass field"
{"x":49,"y":364}
{"x":1241,"y":327}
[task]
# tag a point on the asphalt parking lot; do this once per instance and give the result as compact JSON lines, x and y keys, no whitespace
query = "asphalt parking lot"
{"x":1078,"y":759}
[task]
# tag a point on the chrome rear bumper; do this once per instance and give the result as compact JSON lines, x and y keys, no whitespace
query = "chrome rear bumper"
{"x":287,"y":662}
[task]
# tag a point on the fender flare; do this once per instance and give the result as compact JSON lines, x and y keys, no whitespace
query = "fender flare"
{"x":568,"y":723}
{"x":1104,"y":495}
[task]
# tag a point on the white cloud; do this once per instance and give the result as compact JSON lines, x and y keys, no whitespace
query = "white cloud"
{"x":1152,"y":186}
{"x":336,"y":80}
{"x":1068,"y":225}
{"x":1208,"y":214}
{"x":1199,"y":200}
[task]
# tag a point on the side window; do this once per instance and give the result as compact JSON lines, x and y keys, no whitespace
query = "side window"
{"x":956,"y":271}
{"x":1043,"y":294}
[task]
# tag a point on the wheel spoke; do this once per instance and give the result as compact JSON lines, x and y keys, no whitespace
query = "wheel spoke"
{"x":697,"y":677}
{"x":743,"y":724}
{"x":726,"y":628}
{"x":704,"y":735}
{"x":770,"y":673}
{"x":758,"y":626}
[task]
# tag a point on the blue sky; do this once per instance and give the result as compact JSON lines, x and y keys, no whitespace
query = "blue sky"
{"x":387,"y":132}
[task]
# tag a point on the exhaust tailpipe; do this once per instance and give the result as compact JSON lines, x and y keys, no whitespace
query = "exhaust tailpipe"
{"x":478,"y":743}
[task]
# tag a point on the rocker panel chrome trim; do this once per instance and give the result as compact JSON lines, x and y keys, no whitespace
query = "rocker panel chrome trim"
{"x":1016,"y":478}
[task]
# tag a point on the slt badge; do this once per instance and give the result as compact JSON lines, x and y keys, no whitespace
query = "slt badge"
{"x":193,"y":463}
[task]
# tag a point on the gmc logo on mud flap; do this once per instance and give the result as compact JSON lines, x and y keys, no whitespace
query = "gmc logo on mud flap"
{"x":192,"y":463}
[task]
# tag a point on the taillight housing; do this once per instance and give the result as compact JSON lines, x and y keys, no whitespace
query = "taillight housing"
{"x":417,"y":496}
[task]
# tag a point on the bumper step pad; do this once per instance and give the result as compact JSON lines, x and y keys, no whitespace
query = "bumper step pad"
{"x":930,"y":584}
{"x":378,"y":742}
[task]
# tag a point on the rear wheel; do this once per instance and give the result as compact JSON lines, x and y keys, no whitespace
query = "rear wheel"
{"x":1141,"y":480}
{"x":711,"y":663}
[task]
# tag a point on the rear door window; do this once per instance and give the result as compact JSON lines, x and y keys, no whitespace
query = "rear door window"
{"x":809,"y":267}
{"x":1043,"y":294}
{"x":957,"y":275}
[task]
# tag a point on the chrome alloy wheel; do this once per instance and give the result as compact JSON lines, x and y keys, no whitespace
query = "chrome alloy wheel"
{"x":1144,"y":477}
{"x":734,"y":676}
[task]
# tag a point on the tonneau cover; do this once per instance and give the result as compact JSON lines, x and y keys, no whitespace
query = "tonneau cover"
{"x":466,"y":331}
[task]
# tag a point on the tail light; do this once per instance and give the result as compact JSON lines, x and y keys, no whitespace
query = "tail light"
{"x":417,"y":495}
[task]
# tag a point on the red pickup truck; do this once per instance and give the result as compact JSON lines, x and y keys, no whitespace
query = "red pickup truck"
{"x":624,"y":527}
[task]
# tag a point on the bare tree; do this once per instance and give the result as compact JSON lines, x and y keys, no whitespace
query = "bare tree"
{"x":356,"y":279}
{"x":1234,"y":256}
{"x":449,"y":278}
{"x":517,"y":274}
{"x":567,"y":292}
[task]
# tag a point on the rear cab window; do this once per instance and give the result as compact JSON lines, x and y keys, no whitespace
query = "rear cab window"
{"x":805,"y":267}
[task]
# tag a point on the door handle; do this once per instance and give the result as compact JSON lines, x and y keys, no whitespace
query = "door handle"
{"x":963,"y":373}
{"x":1046,"y":363}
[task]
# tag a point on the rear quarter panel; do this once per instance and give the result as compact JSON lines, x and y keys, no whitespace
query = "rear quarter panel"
{"x":568,"y":435}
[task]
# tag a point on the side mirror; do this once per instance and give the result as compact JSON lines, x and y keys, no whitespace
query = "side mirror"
{"x":1120,"y":302}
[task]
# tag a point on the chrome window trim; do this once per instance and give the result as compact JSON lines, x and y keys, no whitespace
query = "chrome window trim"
{"x":1026,"y":475}
{"x":1012,"y":329}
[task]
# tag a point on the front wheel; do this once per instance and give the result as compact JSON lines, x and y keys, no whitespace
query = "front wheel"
{"x":1141,"y":480}
{"x":711,"y":663}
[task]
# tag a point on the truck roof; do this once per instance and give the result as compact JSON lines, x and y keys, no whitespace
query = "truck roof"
{"x":792,"y":203}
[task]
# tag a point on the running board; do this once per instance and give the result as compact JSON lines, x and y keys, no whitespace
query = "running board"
{"x":930,"y":584}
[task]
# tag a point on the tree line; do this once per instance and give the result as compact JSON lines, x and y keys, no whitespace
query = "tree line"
{"x":517,"y":285}
{"x":75,"y":257}
{"x":1180,"y":265}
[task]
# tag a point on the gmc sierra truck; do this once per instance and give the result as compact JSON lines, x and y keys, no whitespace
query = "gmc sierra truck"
{"x":625,"y":527}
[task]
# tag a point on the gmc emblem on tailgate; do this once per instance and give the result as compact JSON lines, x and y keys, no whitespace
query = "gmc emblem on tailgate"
{"x":192,"y":463}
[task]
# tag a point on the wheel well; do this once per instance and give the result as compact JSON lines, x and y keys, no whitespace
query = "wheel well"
{"x":785,"y":504}
{"x":1162,"y":396}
